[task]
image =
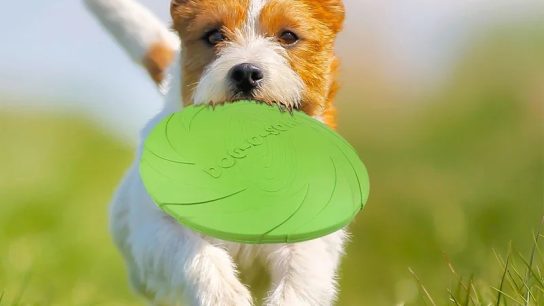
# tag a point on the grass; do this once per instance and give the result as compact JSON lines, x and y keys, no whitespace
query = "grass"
{"x":460,"y":173}
{"x":521,"y":281}
{"x":58,"y":174}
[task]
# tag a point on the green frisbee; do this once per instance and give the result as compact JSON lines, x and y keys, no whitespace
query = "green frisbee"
{"x":247,"y":172}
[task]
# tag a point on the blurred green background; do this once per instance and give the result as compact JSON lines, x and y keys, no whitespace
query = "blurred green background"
{"x":457,"y":172}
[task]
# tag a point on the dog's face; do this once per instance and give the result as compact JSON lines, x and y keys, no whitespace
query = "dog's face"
{"x":277,"y":51}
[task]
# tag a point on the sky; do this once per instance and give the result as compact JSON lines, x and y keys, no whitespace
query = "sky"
{"x":55,"y":56}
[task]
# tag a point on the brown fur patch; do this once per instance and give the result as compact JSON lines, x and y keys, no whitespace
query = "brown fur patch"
{"x":317,"y":23}
{"x":192,"y":20}
{"x":157,"y":60}
{"x":330,"y":114}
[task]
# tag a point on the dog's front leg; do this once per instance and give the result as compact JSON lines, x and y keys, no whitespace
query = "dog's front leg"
{"x":175,"y":262}
{"x":304,"y":274}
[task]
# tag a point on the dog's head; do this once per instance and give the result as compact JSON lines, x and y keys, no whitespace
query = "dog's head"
{"x":277,"y":51}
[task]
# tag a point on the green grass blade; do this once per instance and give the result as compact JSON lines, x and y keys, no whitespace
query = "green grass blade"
{"x":467,"y":297}
{"x":453,"y":299}
{"x":501,"y":286}
{"x":530,"y":271}
{"x":422,"y":287}
{"x":508,"y":296}
{"x":476,"y":295}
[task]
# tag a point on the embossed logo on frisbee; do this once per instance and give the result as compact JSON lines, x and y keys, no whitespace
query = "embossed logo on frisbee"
{"x":241,"y":152}
{"x":249,"y":173}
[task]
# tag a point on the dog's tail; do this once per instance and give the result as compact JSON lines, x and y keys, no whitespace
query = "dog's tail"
{"x":146,"y":39}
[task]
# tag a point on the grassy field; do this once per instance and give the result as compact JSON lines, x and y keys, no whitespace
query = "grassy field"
{"x":457,"y":193}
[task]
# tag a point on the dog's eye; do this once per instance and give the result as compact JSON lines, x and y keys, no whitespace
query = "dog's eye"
{"x":288,"y":38}
{"x":214,"y":37}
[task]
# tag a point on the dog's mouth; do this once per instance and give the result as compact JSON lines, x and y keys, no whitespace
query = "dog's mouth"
{"x":258,"y":96}
{"x":251,"y":97}
{"x":240,"y":95}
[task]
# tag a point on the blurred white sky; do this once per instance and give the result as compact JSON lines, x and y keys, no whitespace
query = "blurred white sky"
{"x":53,"y":55}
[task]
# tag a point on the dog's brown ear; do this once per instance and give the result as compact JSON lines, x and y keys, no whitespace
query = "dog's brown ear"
{"x":177,"y":7}
{"x":175,"y":3}
{"x":333,"y":13}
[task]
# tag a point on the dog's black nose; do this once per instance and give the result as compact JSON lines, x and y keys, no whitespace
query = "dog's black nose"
{"x":246,"y":77}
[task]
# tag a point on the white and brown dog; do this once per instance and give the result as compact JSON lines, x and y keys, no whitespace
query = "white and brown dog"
{"x":277,"y":51}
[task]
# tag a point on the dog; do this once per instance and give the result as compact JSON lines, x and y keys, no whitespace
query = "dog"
{"x":277,"y":51}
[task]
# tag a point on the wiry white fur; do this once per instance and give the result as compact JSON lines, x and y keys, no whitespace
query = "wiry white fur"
{"x":255,"y":8}
{"x":280,"y":84}
{"x":170,"y":264}
{"x":304,"y":274}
